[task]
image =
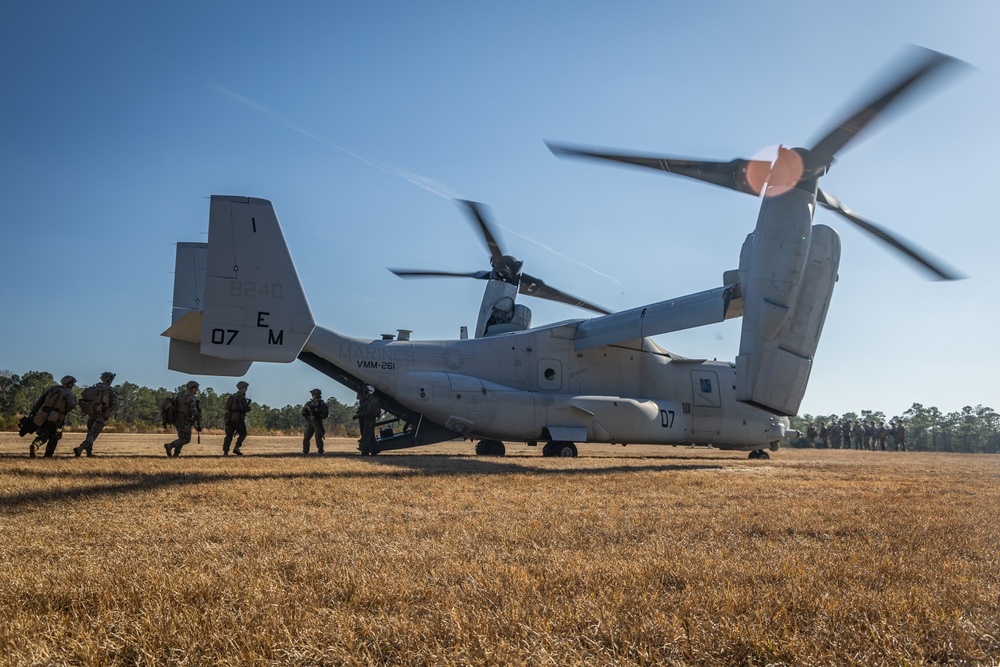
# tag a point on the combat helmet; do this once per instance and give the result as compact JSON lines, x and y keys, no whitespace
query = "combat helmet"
{"x":191,"y":384}
{"x":68,"y":381}
{"x":107,"y":376}
{"x":242,"y":384}
{"x":316,"y":392}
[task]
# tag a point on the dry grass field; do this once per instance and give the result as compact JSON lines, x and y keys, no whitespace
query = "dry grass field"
{"x":635,"y":556}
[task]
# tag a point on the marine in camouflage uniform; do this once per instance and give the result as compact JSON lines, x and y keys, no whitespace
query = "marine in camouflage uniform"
{"x":237,"y":407}
{"x":315,"y":411}
{"x":49,"y":415}
{"x":900,"y":436}
{"x":811,"y":434}
{"x":188,"y":415}
{"x":835,"y":434}
{"x":97,"y":420}
{"x":859,"y":435}
{"x":882,"y":435}
{"x":369,"y":410}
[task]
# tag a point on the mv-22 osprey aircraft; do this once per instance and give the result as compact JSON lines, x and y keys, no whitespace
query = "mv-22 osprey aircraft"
{"x":238,"y":299}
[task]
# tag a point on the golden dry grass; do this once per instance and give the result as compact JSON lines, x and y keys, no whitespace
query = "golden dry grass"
{"x":636,"y":556}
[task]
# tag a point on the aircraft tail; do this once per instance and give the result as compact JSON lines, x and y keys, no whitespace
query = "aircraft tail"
{"x":237,"y":299}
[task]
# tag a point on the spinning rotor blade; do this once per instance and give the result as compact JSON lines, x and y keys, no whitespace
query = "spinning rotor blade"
{"x":828,"y":201}
{"x":741,"y":175}
{"x":536,"y":287}
{"x":477,"y":212}
{"x":923,"y":63}
{"x":420,"y":273}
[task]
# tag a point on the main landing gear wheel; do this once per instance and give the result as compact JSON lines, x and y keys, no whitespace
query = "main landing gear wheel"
{"x":559,"y":448}
{"x":759,"y":454}
{"x":490,"y":448}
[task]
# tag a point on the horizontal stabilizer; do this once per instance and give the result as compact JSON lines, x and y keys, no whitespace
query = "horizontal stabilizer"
{"x":187,"y":328}
{"x":186,"y":358}
{"x":686,"y":312}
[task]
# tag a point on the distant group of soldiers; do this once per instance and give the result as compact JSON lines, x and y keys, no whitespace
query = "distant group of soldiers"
{"x":867,"y":434}
{"x":47,"y":417}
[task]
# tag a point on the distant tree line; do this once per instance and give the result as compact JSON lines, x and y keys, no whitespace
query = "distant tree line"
{"x":974,"y":430}
{"x":138,"y":408}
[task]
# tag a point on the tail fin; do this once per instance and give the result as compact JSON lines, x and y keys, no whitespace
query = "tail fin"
{"x":252,"y":306}
{"x":185,"y":332}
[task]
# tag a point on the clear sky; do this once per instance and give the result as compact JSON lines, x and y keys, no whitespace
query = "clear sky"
{"x":360,"y":119}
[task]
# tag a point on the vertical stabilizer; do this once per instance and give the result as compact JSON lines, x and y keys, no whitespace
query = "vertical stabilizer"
{"x":254,"y":305}
{"x":185,"y":330}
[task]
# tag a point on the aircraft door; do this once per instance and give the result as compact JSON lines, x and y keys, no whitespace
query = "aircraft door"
{"x":706,"y":403}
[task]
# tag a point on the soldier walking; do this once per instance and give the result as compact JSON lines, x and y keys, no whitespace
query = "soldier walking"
{"x":315,"y":411}
{"x":369,"y":410}
{"x":187,"y":414}
{"x":48,"y":414}
{"x":97,"y":402}
{"x":237,"y":407}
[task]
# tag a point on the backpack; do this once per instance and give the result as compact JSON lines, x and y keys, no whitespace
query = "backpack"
{"x":91,"y":400}
{"x":168,"y":411}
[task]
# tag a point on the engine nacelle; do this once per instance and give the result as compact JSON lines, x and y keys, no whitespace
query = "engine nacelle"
{"x":789,"y":279}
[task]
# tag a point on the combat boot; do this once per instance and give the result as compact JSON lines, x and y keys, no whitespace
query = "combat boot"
{"x":90,"y":451}
{"x":166,"y":448}
{"x":31,"y":450}
{"x":237,"y":452}
{"x":77,"y":451}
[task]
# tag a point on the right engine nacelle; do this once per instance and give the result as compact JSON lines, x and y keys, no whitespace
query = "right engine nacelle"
{"x":788,"y":284}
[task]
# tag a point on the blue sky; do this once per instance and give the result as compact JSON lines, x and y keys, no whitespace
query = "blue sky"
{"x":360,"y":120}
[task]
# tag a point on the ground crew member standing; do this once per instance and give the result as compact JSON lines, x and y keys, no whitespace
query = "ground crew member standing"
{"x":98,"y":410}
{"x":188,"y":413}
{"x":315,"y":411}
{"x":237,"y":407}
{"x":369,"y":410}
{"x":49,"y":414}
